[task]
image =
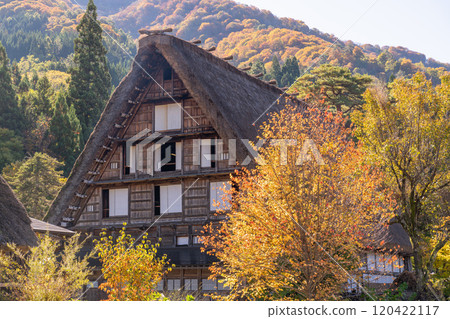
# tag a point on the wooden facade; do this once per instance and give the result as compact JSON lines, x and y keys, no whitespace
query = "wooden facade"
{"x":178,"y":231}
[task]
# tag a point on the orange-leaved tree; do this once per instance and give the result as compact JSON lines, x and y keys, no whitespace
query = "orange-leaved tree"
{"x":130,"y":267}
{"x":299,"y":220}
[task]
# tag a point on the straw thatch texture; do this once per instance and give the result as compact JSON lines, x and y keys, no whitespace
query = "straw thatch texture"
{"x":14,"y":221}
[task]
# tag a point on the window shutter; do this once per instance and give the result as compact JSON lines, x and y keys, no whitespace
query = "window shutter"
{"x":163,"y":197}
{"x":118,"y":202}
{"x":133,"y":159}
{"x":160,"y":117}
{"x":205,"y":153}
{"x":173,"y":117}
{"x":178,"y":155}
{"x":175,"y":199}
{"x":157,"y":157}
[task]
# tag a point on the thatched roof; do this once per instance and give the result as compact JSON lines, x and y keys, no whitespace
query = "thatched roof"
{"x":14,"y":221}
{"x":231,"y":98}
{"x":398,"y":240}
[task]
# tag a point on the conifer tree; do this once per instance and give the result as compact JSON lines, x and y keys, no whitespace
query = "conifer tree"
{"x":65,"y":132}
{"x":90,"y":83}
{"x":36,"y":182}
{"x":275,"y":71}
{"x":10,"y":115}
{"x":290,"y":71}
{"x":44,"y":92}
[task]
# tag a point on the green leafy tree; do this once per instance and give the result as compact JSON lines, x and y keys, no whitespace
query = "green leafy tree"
{"x":65,"y":132}
{"x":407,"y":134}
{"x":90,"y":82}
{"x":333,"y":86}
{"x":36,"y":183}
{"x":10,"y":115}
{"x":11,"y":147}
{"x":49,"y":272}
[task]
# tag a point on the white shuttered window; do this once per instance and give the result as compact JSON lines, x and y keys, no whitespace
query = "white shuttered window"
{"x":118,"y":202}
{"x":167,"y":117}
{"x":170,"y":199}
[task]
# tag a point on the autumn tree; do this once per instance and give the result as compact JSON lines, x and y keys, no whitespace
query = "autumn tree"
{"x":48,"y":272}
{"x":299,"y":220}
{"x":332,"y":87}
{"x":90,"y":82}
{"x":130,"y":267}
{"x":406,"y":132}
{"x":36,"y":183}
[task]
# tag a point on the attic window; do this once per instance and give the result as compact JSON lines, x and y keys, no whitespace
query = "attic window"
{"x":167,"y":74}
{"x":167,"y":117}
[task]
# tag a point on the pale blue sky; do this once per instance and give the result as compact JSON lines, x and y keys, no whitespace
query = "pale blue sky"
{"x":420,"y":25}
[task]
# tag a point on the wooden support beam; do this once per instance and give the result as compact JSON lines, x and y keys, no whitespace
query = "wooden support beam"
{"x":152,"y":32}
{"x":228,"y":58}
{"x":196,"y":41}
{"x":258,"y":75}
{"x":273,"y":82}
{"x":211,"y":49}
{"x":247,"y":68}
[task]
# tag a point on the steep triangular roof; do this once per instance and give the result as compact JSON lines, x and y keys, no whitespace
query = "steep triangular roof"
{"x":14,"y":221}
{"x":230,"y":98}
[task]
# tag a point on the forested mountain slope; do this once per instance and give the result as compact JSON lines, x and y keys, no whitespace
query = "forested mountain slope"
{"x":254,"y":35}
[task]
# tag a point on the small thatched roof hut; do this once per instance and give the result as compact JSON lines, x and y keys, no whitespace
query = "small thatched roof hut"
{"x":15,"y":225}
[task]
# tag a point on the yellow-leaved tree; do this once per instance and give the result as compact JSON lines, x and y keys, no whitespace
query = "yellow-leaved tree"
{"x":300,"y":219}
{"x":406,"y":132}
{"x":51,"y":271}
{"x":131,"y":267}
